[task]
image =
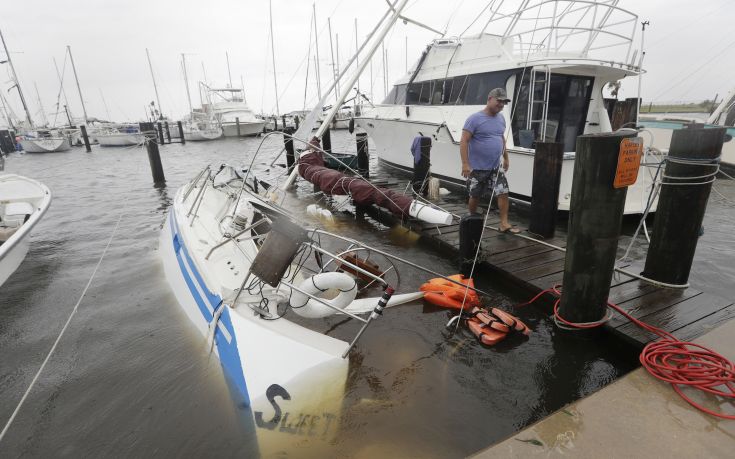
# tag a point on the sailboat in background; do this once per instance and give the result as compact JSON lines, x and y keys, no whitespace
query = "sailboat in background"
{"x":198,"y":124}
{"x":34,"y":140}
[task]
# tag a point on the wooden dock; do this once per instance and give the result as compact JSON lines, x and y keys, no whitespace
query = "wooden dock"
{"x":534,"y":266}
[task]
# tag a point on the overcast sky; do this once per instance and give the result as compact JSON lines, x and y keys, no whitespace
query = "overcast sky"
{"x":690,"y":50}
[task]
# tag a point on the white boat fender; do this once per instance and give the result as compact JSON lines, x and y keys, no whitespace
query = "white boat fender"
{"x":306,"y":306}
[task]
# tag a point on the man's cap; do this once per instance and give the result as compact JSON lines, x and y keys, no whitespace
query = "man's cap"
{"x":500,"y":94}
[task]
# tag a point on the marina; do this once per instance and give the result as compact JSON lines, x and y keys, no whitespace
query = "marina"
{"x":492,"y":255}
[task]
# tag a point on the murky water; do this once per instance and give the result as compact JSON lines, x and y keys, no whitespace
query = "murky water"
{"x":132,"y":377}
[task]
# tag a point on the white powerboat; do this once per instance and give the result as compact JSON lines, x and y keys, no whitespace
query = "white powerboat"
{"x":554,"y":58}
{"x":229,"y":108}
{"x":44,"y":141}
{"x":23,"y":202}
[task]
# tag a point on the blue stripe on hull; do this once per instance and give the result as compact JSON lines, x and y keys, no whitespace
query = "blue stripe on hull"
{"x":228,"y":353}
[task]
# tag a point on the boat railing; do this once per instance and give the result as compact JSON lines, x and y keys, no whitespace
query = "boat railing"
{"x":566,"y":26}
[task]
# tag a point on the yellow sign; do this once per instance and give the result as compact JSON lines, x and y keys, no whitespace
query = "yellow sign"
{"x":629,"y":161}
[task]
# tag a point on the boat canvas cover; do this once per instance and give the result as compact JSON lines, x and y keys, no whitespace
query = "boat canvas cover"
{"x":311,"y":168}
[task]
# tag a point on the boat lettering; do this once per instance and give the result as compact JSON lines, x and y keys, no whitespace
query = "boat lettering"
{"x":301,"y":424}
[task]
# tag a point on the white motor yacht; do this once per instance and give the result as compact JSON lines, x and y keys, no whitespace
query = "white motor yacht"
{"x":554,"y":58}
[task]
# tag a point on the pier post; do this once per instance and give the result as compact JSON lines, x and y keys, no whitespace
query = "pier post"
{"x":168,"y":132}
{"x":288,"y":144}
{"x":160,"y":133}
{"x":237,"y":123}
{"x":595,"y":216}
{"x":296,"y":121}
{"x":181,"y":132}
{"x":694,"y":153}
{"x":470,"y":232}
{"x":155,"y":160}
{"x":85,"y":137}
{"x":419,"y":182}
{"x":327,"y":141}
{"x":545,"y":188}
{"x":363,"y":155}
{"x":275,"y":123}
{"x":283,"y":118}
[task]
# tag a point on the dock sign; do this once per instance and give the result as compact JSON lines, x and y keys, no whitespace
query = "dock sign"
{"x":629,"y":161}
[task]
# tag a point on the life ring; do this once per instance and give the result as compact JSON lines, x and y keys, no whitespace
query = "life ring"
{"x":306,"y":306}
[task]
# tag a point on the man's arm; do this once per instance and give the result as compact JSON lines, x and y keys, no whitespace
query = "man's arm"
{"x":463,"y":152}
{"x":506,"y":160}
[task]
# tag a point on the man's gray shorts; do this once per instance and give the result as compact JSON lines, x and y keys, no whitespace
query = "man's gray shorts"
{"x":481,"y":183}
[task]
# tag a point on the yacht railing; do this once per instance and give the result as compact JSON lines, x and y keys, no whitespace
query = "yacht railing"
{"x":565,"y":26}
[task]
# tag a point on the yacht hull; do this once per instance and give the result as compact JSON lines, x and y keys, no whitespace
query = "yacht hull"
{"x":392,"y":140}
{"x":120,"y":140}
{"x":247,"y":129}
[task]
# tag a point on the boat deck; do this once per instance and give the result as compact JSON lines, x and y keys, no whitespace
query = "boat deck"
{"x":532,"y":266}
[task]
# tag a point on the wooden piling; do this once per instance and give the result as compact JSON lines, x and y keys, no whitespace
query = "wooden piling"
{"x":545,"y":188}
{"x":154,"y":158}
{"x":296,"y":121}
{"x":85,"y":137}
{"x":159,"y":126}
{"x":283,"y":118}
{"x":168,"y":131}
{"x":288,"y":144}
{"x":470,"y":233}
{"x":237,"y":123}
{"x":595,"y":216}
{"x":327,"y":141}
{"x":363,"y":155}
{"x":181,"y":132}
{"x":694,"y":153}
{"x":275,"y":123}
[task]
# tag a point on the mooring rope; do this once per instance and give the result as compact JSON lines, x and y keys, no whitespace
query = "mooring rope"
{"x":66,"y":325}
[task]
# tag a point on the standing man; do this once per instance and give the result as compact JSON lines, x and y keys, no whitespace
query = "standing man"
{"x":482,"y":145}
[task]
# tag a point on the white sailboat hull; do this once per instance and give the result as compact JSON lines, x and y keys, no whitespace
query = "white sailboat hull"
{"x":201,"y":135}
{"x":45,"y":145}
{"x":15,"y":238}
{"x":262,"y":359}
{"x":120,"y":140}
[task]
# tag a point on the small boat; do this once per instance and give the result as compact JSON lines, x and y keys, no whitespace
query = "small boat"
{"x":44,"y":141}
{"x":120,"y":136}
{"x":23,"y":202}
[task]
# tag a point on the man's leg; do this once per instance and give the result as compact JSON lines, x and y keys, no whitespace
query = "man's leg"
{"x":472,"y":204}
{"x":503,"y":205}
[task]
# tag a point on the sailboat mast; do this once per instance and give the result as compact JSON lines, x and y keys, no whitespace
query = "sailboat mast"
{"x":107,"y":110}
{"x":17,"y":83}
{"x":316,"y":44}
{"x":227,"y":56}
{"x":186,"y":81}
{"x":63,"y":91}
{"x":357,"y":56}
{"x":273,"y":57}
{"x":334,"y":68}
{"x":76,"y":78}
{"x":40,"y":105}
{"x":155,"y":88}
